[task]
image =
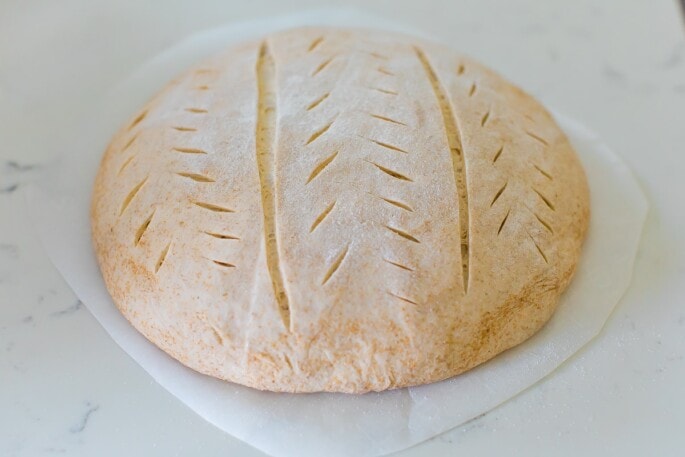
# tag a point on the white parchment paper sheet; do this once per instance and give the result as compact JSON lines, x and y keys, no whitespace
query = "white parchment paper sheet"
{"x":337,"y":424}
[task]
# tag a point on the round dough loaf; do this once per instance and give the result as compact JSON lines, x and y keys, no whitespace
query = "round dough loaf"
{"x":338,"y":210}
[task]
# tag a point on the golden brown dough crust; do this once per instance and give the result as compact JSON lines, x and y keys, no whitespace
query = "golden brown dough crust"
{"x":338,"y":210}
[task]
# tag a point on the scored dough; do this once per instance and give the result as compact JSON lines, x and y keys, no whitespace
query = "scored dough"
{"x":338,"y":210}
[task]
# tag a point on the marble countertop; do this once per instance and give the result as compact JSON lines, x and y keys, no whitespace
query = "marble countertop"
{"x":616,"y":65}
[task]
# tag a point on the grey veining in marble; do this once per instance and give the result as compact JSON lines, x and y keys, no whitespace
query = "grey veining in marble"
{"x":80,"y":426}
{"x":69,"y":310}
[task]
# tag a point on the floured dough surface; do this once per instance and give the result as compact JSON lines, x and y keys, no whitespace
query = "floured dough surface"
{"x":338,"y":210}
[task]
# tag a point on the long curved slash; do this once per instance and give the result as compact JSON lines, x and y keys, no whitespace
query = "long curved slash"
{"x":265,"y":140}
{"x":458,"y":163}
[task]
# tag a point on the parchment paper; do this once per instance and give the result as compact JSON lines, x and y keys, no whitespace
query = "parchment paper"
{"x":337,"y":424}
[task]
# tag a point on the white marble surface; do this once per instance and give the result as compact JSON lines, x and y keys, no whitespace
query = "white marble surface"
{"x":617,"y":65}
